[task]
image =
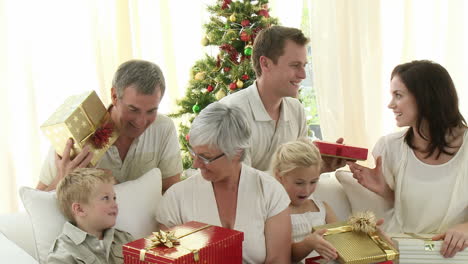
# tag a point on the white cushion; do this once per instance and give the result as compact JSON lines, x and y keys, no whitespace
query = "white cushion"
{"x":360,"y":198}
{"x":12,"y":253}
{"x":330,"y":191}
{"x":137,"y":202}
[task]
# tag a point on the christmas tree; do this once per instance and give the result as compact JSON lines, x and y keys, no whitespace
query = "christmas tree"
{"x":232,"y":27}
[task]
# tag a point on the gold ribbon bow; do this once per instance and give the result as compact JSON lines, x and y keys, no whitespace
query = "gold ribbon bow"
{"x":169,"y":240}
{"x":363,"y":222}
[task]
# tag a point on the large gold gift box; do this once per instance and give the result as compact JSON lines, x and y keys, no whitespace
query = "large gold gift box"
{"x":357,"y":247}
{"x":78,"y":118}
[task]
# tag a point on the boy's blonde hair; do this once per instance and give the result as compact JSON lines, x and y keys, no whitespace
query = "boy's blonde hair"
{"x":77,"y":187}
{"x":301,"y":153}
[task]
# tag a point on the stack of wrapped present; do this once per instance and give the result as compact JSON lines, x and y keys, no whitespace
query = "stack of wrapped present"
{"x":419,"y":248}
{"x":84,"y":119}
{"x":192,"y":242}
{"x":357,"y":241}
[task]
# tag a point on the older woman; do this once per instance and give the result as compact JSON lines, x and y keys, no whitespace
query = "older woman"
{"x":229,"y":193}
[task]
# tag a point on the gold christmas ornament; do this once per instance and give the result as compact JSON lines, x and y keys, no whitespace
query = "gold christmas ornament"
{"x":200,"y":76}
{"x":205,"y":41}
{"x":220,"y":94}
{"x":232,"y":18}
{"x":239,"y":84}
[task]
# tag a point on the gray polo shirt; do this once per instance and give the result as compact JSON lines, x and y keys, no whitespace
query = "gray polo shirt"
{"x":267,"y":135}
{"x":76,"y":246}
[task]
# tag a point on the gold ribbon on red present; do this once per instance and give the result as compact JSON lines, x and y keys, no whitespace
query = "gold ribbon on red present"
{"x":168,"y":239}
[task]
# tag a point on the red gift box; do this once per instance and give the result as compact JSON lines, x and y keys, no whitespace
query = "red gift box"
{"x":199,"y":243}
{"x":320,"y":260}
{"x":341,"y":150}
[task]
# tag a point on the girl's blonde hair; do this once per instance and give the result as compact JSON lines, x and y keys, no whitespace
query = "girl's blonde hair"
{"x":77,"y":187}
{"x":301,"y":153}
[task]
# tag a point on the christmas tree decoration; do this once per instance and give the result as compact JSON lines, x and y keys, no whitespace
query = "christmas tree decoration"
{"x":232,"y":86}
{"x":239,"y":84}
{"x":232,"y":28}
{"x":220,"y":94}
{"x":244,"y":36}
{"x":232,"y":18}
{"x":187,"y":137}
{"x":248,"y":50}
{"x":200,"y":76}
{"x":205,"y":41}
{"x":196,"y":109}
{"x":264,"y":13}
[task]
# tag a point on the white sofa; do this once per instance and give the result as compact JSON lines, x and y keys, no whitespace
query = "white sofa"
{"x":17,"y":229}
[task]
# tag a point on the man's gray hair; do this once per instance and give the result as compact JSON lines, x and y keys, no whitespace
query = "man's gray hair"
{"x":223,"y":127}
{"x":145,"y":75}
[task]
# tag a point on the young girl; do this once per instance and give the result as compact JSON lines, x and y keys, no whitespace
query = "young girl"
{"x":296,"y":165}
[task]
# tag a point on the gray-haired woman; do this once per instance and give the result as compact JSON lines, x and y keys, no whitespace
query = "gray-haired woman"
{"x":229,"y":193}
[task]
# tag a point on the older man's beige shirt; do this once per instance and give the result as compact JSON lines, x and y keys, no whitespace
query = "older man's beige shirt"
{"x":267,"y":134}
{"x":157,"y":147}
{"x":76,"y":246}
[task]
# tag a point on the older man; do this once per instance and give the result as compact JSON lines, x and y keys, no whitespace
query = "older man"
{"x":147,"y":140}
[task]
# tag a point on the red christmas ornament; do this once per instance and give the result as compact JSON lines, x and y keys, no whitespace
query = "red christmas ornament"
{"x":244,"y":36}
{"x":225,"y":4}
{"x":100,"y":138}
{"x":245,"y":77}
{"x":263,"y":12}
{"x":226,"y":69}
{"x":245,"y":22}
{"x":187,"y":137}
{"x":209,"y":88}
{"x":232,"y":86}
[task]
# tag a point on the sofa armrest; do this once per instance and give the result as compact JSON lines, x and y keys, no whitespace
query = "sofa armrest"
{"x":17,"y":228}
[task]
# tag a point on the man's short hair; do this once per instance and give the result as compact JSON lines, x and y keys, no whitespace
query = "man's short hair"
{"x":77,"y":187}
{"x":144,"y":75}
{"x":270,"y":43}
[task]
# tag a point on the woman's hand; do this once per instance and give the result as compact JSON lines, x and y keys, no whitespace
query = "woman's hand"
{"x":455,"y":240}
{"x":319,"y":244}
{"x":372,"y":179}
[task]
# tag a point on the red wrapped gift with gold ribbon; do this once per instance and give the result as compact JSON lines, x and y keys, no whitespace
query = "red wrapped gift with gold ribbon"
{"x":192,"y":242}
{"x":341,"y":150}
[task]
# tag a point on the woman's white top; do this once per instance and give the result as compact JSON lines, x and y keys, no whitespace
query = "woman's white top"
{"x":302,"y":223}
{"x":260,"y":197}
{"x":428,"y":198}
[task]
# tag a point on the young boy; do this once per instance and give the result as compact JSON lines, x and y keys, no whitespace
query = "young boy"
{"x":86,"y":197}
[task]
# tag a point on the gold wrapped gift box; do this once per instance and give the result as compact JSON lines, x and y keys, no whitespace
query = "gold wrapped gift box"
{"x":357,"y":247}
{"x":78,"y":118}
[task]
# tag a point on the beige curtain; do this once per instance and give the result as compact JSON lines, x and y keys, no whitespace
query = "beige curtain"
{"x":52,"y":49}
{"x":357,"y":43}
{"x":347,"y":62}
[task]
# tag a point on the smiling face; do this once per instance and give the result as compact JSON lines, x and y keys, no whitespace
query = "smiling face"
{"x":300,"y":183}
{"x":100,"y":212}
{"x":288,"y":72}
{"x":403,"y":104}
{"x":134,"y":112}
